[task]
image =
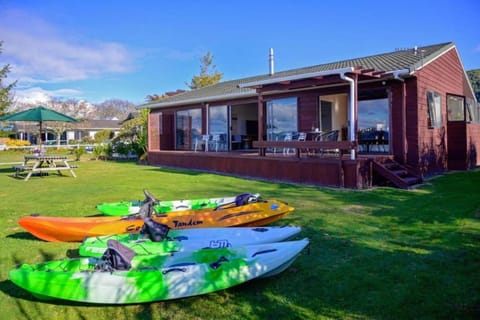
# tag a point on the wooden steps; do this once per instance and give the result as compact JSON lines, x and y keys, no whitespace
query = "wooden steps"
{"x":397,"y":174}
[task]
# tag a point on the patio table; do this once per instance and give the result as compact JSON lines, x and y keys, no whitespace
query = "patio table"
{"x":44,"y":163}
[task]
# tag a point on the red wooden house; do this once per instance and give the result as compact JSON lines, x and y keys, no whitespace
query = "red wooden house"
{"x":395,"y":117}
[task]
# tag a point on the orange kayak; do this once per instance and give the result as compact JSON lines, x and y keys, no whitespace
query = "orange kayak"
{"x":58,"y":229}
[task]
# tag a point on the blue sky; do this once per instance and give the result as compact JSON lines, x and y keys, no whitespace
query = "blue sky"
{"x":97,"y":50}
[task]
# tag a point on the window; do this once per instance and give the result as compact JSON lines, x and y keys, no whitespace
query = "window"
{"x":282,"y":118}
{"x":455,"y":108}
{"x":374,"y":121}
{"x":326,"y":115}
{"x":218,"y":124}
{"x":434,"y":109}
{"x":188,"y":128}
{"x":472,"y":111}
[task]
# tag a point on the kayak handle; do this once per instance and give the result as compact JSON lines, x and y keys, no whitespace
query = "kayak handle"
{"x":178,"y":267}
{"x":264,"y":251}
{"x":218,"y":263}
{"x":174,"y":269}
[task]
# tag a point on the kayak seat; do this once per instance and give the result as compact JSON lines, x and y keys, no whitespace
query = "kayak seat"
{"x":244,"y":198}
{"x":156,"y":231}
{"x":117,"y":257}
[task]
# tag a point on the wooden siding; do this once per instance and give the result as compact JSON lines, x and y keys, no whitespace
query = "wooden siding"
{"x":444,"y":75}
{"x":344,"y":173}
{"x":473,"y":145}
{"x":153,"y":131}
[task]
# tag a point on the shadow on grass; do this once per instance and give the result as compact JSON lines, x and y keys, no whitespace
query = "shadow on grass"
{"x":341,"y":278}
{"x":172,"y":170}
{"x":23,"y":236}
{"x":7,"y":170}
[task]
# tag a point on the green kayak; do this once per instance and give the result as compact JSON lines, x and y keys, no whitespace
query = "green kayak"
{"x":121,"y":277}
{"x":123,"y":208}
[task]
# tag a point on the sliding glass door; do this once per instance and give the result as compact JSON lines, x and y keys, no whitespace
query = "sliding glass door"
{"x":374,"y":121}
{"x":282,"y":118}
{"x":188,"y":128}
{"x":218,"y":125}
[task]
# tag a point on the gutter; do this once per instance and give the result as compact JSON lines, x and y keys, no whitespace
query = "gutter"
{"x":352,"y":111}
{"x":296,"y":77}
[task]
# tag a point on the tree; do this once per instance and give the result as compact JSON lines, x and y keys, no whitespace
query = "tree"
{"x":114,"y":109}
{"x":166,"y":95}
{"x":5,"y":95}
{"x":474,"y":76}
{"x":134,"y":132}
{"x":208,"y":74}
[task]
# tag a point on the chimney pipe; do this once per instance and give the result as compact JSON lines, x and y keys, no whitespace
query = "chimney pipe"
{"x":270,"y":59}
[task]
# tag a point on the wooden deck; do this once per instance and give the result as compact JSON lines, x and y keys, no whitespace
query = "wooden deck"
{"x":326,"y":169}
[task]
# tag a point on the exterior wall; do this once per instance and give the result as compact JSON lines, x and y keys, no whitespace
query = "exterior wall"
{"x":353,"y":174}
{"x":153,"y":131}
{"x":397,"y":120}
{"x":473,"y":145}
{"x":444,"y":75}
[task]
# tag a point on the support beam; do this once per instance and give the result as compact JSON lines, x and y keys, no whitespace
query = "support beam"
{"x":353,"y":99}
{"x":261,"y":120}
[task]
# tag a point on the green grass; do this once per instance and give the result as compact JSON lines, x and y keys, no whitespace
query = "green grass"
{"x":378,"y":254}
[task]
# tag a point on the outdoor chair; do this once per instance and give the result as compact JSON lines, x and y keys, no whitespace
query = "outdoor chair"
{"x":288,"y":137}
{"x":217,"y":142}
{"x":328,"y":136}
{"x":302,"y":136}
{"x":202,"y":140}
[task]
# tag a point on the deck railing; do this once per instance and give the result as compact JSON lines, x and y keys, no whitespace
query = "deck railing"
{"x":340,"y":147}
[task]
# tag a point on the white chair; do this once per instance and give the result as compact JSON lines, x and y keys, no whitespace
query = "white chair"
{"x":302,"y":136}
{"x":202,"y":140}
{"x":329,"y":136}
{"x":217,"y":142}
{"x":288,"y":137}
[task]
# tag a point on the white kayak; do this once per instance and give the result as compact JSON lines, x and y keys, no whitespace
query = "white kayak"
{"x":153,"y":241}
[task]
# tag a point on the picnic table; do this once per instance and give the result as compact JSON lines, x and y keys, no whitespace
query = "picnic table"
{"x":40,"y":164}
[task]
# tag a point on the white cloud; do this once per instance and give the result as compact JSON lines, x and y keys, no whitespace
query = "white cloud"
{"x":37,"y":95}
{"x":37,"y":53}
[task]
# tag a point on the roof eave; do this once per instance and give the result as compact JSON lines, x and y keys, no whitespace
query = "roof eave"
{"x":429,"y":59}
{"x":206,"y":99}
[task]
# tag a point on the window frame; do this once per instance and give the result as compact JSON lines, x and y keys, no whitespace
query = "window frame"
{"x":434,"y":109}
{"x":272,"y":110}
{"x":460,"y":115}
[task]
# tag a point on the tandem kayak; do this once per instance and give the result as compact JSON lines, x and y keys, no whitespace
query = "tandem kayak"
{"x":123,"y":208}
{"x":170,"y":241}
{"x":68,"y":229}
{"x":122,"y":277}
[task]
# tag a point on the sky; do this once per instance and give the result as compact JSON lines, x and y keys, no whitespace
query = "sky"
{"x":99,"y":50}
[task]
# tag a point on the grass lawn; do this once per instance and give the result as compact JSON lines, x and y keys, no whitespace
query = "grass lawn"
{"x":378,"y":254}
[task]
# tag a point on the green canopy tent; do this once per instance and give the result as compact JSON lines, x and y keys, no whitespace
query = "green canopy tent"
{"x":38,"y":114}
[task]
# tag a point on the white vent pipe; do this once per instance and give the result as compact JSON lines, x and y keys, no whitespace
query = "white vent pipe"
{"x":271,"y":60}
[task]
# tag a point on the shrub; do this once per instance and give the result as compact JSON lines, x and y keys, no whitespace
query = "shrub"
{"x":17,"y":143}
{"x":78,"y":152}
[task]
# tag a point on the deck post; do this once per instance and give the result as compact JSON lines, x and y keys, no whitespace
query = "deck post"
{"x":353,"y":99}
{"x":261,"y":121}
